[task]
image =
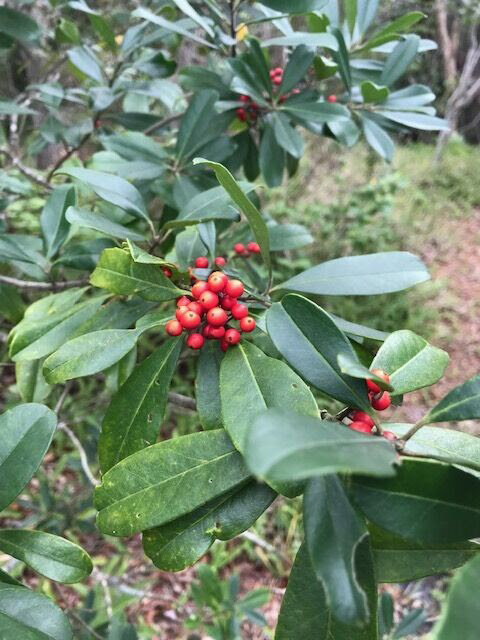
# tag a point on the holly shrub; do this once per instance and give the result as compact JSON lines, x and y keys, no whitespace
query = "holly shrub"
{"x":151,"y":224}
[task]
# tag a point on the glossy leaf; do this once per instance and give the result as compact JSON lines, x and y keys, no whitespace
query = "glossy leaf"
{"x":427,"y":501}
{"x":18,"y":25}
{"x":296,"y":69}
{"x":88,"y":354}
{"x":142,"y":491}
{"x":282,"y":445}
{"x":119,"y":273}
{"x":399,"y":560}
{"x":463,"y":403}
{"x":179,"y":544}
{"x":271,"y":157}
{"x":325,"y":40}
{"x":371,"y":274}
{"x":377,"y":138}
{"x":207,"y":386}
{"x":318,"y":112}
{"x":99,"y":222}
{"x":300,"y":6}
{"x":286,"y":237}
{"x":134,"y":416}
{"x":287,"y":137}
{"x":333,"y":531}
{"x":410,"y":361}
{"x":54,"y":225}
{"x":31,"y":384}
{"x":253,"y":215}
{"x":175,"y":27}
{"x":30,"y":616}
{"x":25,"y":435}
{"x":460,"y":611}
{"x":373,"y":93}
{"x":415,"y":120}
{"x":52,"y":556}
{"x":311,"y":342}
{"x":195,"y":128}
{"x":87,"y":62}
{"x":399,"y":60}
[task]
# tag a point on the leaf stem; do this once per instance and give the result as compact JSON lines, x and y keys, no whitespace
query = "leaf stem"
{"x":413,"y":430}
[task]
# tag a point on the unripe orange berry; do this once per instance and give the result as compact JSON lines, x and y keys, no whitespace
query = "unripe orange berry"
{"x":239,"y":311}
{"x":208,"y":300}
{"x":247,"y":324}
{"x":217,"y":317}
{"x":173,"y":328}
{"x":234,"y":288}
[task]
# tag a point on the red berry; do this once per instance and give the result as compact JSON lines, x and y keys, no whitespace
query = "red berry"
{"x":201,"y":262}
{"x":190,"y":320}
{"x":361,"y":416}
{"x":220,"y":261}
{"x":253,"y":247}
{"x":167,"y":272}
{"x":234,"y":288}
{"x":282,"y":99}
{"x":217,"y":317}
{"x":183,"y":301}
{"x":224,"y":345}
{"x":228,"y":302}
{"x":381,"y":403}
{"x":232,"y":336}
{"x":196,"y":307}
{"x":195,"y":341}
{"x":217,"y":281}
{"x":295,"y":92}
{"x":362,"y":427}
{"x":217,"y":332}
{"x":207,"y":331}
{"x":239,"y":248}
{"x":208,"y":300}
{"x":332,"y":98}
{"x":198,"y":288}
{"x":277,"y":80}
{"x":278,"y":71}
{"x":239,"y":311}
{"x":241,"y":114}
{"x":373,"y":386}
{"x":247,"y":324}
{"x":180,"y":311}
{"x":244,"y":99}
{"x":173,"y":328}
{"x":389,"y":435}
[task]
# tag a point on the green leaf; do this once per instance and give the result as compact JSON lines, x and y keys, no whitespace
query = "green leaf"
{"x":12,"y":306}
{"x":398,"y":25}
{"x":463,"y":403}
{"x":179,"y":544}
{"x":194,"y":128}
{"x":207,"y":386}
{"x":324,"y":40}
{"x":399,"y":560}
{"x":188,"y":10}
{"x":287,"y":137}
{"x":135,"y":414}
{"x":99,"y":222}
{"x":311,"y":342}
{"x":54,"y":226}
{"x":54,"y":557}
{"x":117,"y":272}
{"x":112,"y":189}
{"x":253,"y":215}
{"x":141,"y":12}
{"x":366,"y":275}
{"x":410,"y":361}
{"x":324,"y":67}
{"x":10,"y":108}
{"x":286,"y":446}
{"x":210,"y":204}
{"x":351,"y":13}
{"x":271,"y":157}
{"x":18,"y":25}
{"x":342,"y":59}
{"x":446,"y":445}
{"x":30,"y":616}
{"x":31,"y":384}
{"x":333,"y":531}
{"x":355,"y":369}
{"x":427,"y":501}
{"x":266,"y":382}
{"x":87,"y":62}
{"x":460,"y":612}
{"x":299,"y":6}
{"x":377,"y":138}
{"x":399,"y":60}
{"x":8,"y":579}
{"x":142,"y":491}
{"x":25,"y":435}
{"x":305,"y":613}
{"x":35,"y":339}
{"x":373,"y":93}
{"x":286,"y":237}
{"x":319,"y":112}
{"x":415,"y":120}
{"x":296,"y":69}
{"x":89,"y":354}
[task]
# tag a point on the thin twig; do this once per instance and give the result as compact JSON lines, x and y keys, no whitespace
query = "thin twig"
{"x":81,"y":451}
{"x":86,"y":626}
{"x":43,"y":286}
{"x":68,"y":154}
{"x":233,"y":30}
{"x":260,"y":542}
{"x":96,"y":574}
{"x":182,"y":401}
{"x":412,"y":431}
{"x":163,"y":123}
{"x":63,"y":397}
{"x":26,"y":171}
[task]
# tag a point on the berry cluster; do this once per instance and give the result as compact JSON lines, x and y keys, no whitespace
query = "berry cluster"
{"x":251,"y":110}
{"x":245,"y":251}
{"x":276,"y":76}
{"x":380,"y":400}
{"x":210,"y":309}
